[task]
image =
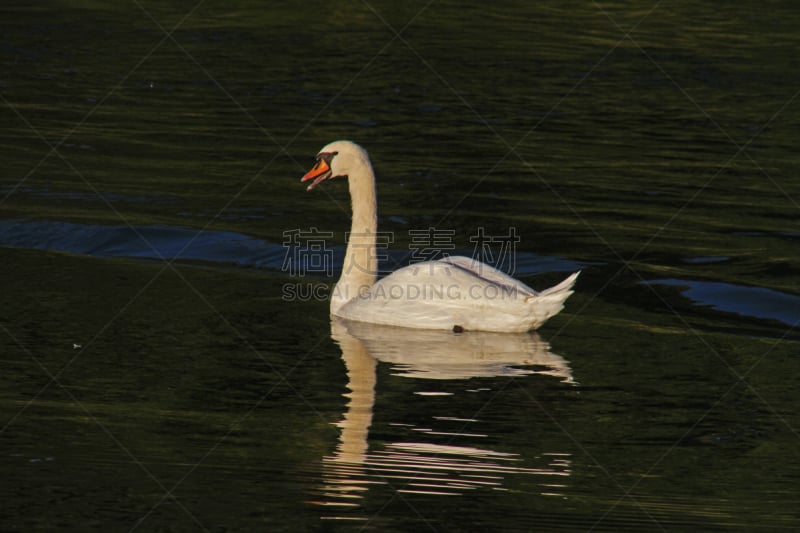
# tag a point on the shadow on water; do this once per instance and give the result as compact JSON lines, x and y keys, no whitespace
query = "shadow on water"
{"x":152,"y":242}
{"x":188,"y":244}
{"x":755,"y":302}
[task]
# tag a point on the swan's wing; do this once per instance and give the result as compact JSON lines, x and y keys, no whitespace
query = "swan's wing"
{"x":459,"y":280}
{"x":488,"y":273}
{"x":440,"y":295}
{"x":456,"y":291}
{"x":562,"y":290}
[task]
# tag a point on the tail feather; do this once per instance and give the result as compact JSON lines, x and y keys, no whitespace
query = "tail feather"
{"x":564,"y":286}
{"x":550,"y":301}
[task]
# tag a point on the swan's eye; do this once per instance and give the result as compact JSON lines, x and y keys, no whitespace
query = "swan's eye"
{"x":326,"y":156}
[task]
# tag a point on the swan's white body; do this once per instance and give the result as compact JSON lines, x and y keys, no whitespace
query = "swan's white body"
{"x":455,"y":293}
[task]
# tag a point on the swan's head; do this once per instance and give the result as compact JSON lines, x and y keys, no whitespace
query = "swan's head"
{"x":336,"y":160}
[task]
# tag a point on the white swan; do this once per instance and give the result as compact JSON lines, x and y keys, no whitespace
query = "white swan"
{"x":456,"y":293}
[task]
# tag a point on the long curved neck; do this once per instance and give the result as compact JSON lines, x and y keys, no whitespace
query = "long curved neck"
{"x":360,"y":261}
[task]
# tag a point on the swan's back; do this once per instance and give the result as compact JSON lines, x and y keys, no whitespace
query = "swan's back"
{"x":456,"y":293}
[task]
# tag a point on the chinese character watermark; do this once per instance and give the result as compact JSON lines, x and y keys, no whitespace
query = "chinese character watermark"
{"x":373,"y":254}
{"x":430,"y":244}
{"x":307,"y":252}
{"x":502,"y":257}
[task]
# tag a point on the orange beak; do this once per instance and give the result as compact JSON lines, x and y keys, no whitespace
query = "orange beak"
{"x":319,"y":173}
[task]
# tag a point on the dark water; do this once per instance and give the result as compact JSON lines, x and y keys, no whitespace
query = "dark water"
{"x":168,"y":358}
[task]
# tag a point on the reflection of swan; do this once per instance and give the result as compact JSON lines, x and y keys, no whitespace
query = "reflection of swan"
{"x":425,"y":466}
{"x":454,"y":293}
{"x":445,"y":355}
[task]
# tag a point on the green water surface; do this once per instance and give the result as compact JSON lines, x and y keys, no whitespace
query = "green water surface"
{"x":644,"y":140}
